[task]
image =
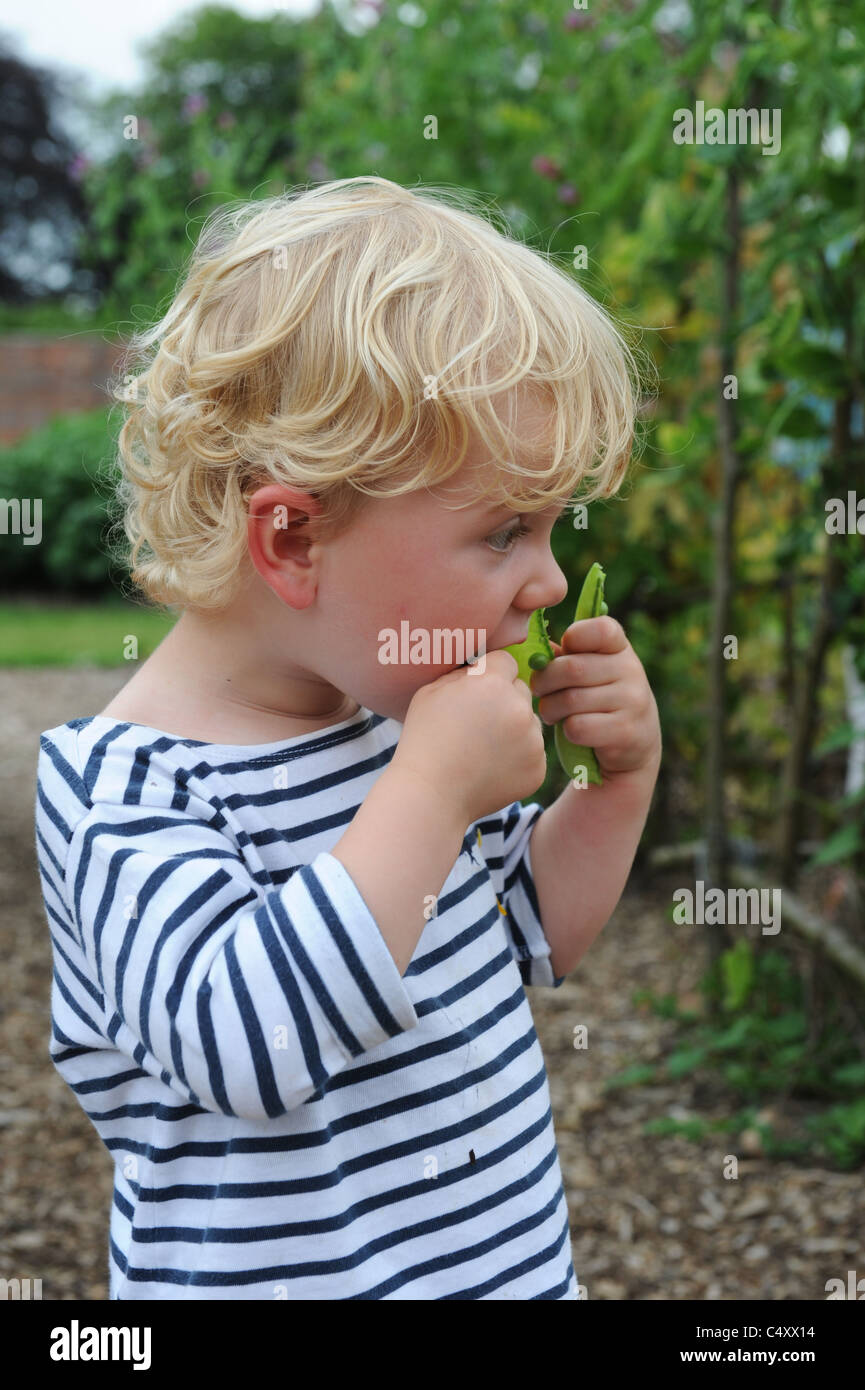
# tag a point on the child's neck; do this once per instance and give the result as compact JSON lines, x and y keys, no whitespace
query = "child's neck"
{"x":178,"y":690}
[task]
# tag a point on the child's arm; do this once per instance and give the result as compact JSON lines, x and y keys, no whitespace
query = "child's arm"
{"x":247,"y":1006}
{"x":399,"y":850}
{"x":580,"y":855}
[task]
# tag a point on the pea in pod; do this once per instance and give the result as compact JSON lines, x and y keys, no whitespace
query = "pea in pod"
{"x":535,"y":653}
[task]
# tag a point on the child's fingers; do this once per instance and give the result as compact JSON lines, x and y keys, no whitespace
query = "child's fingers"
{"x":601,"y":634}
{"x":557,"y":651}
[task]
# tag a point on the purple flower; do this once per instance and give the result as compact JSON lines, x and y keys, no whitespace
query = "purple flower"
{"x":226,"y":120}
{"x":200,"y":177}
{"x":578,"y":21}
{"x":317,"y":168}
{"x":79,"y":167}
{"x":568,"y":194}
{"x":195,"y":102}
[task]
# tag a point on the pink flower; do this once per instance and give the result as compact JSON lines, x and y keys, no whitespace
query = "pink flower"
{"x":195,"y":102}
{"x":226,"y":120}
{"x":568,"y":194}
{"x":548,"y":168}
{"x":578,"y":21}
{"x":200,"y":177}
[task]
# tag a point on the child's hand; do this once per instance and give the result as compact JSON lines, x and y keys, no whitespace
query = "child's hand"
{"x":597,"y":685}
{"x":474,"y":737}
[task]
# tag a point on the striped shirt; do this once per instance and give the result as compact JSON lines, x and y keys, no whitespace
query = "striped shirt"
{"x":288,"y":1116}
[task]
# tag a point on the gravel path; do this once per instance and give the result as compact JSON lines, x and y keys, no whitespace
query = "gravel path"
{"x":651,"y":1217}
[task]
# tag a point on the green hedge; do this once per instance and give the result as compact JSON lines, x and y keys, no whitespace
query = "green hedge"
{"x":69,"y":466}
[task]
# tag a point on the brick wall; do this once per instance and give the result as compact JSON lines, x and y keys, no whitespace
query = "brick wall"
{"x":45,"y":375}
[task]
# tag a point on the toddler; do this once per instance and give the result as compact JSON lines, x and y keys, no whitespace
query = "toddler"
{"x":293,"y":895}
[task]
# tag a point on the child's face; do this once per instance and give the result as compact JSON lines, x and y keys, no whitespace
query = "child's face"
{"x":411,"y":559}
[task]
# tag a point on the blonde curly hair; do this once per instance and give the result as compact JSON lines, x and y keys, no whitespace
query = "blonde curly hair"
{"x":344,"y":339}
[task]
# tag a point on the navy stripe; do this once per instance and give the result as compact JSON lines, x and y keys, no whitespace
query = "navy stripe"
{"x":44,"y":851}
{"x":333,"y":1178}
{"x":174,"y":995}
{"x":230,"y":1235}
{"x":53,"y":916}
{"x":299,"y":1012}
{"x":350,"y":955}
{"x":72,"y":782}
{"x":73,"y":1003}
{"x":87,"y":985}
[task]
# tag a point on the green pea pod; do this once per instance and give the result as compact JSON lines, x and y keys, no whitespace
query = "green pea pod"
{"x":590,"y":604}
{"x":535,"y":652}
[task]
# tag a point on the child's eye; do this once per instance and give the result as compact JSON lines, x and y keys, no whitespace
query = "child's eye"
{"x":509,"y":538}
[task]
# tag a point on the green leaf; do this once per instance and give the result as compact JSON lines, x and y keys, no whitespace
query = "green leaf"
{"x":787,"y":324}
{"x":737,"y":969}
{"x":841,"y":737}
{"x":630,"y":1076}
{"x":685,"y":1060}
{"x":842,"y":845}
{"x":816,"y":365}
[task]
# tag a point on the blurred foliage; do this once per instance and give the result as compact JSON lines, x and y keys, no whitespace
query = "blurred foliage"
{"x":213,"y":121}
{"x":37,"y":182}
{"x":763,"y":1046}
{"x":67,"y":465}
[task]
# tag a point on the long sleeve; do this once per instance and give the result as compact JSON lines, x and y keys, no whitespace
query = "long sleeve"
{"x":245,"y":1003}
{"x":505,"y":843}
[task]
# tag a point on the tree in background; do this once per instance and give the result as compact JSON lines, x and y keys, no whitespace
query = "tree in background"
{"x":42,"y":207}
{"x":213,"y":121}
